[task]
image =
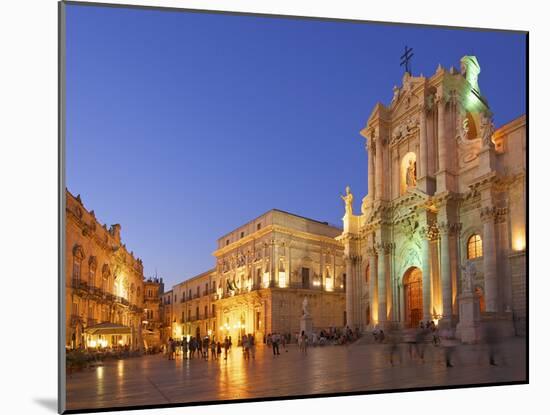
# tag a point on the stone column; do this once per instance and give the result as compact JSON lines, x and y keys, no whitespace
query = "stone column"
{"x":358,"y":318}
{"x":322,"y":266}
{"x":423,"y":143}
{"x":441,"y":138}
{"x":441,"y":179}
{"x":289,"y":264}
{"x":371,"y":150}
{"x":445,"y":229}
{"x":426,"y":275}
{"x":373,"y":275}
{"x":382,"y":295}
{"x":349,"y":291}
{"x":489,"y":259}
{"x":396,"y":172}
{"x":401,"y":305}
{"x":272,"y":266}
{"x":333,"y":266}
{"x":379,"y":169}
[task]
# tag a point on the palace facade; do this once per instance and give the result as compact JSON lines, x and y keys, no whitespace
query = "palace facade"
{"x":263,"y":271}
{"x":104,"y":283}
{"x":444,"y":188}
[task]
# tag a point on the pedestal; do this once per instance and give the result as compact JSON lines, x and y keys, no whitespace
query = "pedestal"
{"x":468,"y":329}
{"x":306,"y":325}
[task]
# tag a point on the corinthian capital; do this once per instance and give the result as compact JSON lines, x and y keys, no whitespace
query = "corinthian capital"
{"x":429,"y":232}
{"x":488,"y":214}
{"x":448,"y":228}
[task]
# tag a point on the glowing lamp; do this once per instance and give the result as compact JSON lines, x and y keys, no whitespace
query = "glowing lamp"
{"x":519,"y":243}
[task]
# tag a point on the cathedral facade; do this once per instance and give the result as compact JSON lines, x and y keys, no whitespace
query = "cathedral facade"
{"x":445,"y":190}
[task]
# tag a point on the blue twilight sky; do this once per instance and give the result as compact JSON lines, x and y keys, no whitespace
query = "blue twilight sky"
{"x":182,"y":126}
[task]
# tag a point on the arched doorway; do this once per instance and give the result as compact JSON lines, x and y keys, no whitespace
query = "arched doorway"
{"x":412,"y":285}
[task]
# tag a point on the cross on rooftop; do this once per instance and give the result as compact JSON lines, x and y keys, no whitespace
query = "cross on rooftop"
{"x":405,"y":59}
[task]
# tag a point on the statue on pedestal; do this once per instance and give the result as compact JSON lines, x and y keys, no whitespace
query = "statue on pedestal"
{"x":348,"y":200}
{"x":468,"y":275}
{"x":305,"y":311}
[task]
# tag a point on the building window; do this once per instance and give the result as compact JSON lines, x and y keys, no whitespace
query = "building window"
{"x":205,"y":311}
{"x":198,"y":291}
{"x":258,"y":226}
{"x":197,"y":312}
{"x":242,"y":234}
{"x":206,"y":289}
{"x":91,"y":279}
{"x":226,"y":242}
{"x":475,"y":246}
{"x":213,"y":310}
{"x":78,"y":256}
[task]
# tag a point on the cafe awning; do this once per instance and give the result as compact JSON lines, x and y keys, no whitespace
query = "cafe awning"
{"x":107,"y":328}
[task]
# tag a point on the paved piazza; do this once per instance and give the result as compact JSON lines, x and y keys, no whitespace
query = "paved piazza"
{"x":152,"y":380}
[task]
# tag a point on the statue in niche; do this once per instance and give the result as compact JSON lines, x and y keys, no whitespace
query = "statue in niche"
{"x":468,"y":275}
{"x":348,"y":200}
{"x":305,"y":310}
{"x":411,"y":174}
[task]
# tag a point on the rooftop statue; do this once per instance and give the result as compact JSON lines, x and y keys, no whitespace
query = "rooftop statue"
{"x":470,"y":69}
{"x":348,"y":200}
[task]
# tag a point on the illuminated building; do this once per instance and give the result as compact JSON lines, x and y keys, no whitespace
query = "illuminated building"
{"x":165,"y":316}
{"x":104,"y":283}
{"x":153,"y":289}
{"x":444,"y":187}
{"x":264,"y":269}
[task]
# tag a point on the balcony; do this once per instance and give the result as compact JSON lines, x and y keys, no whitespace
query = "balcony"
{"x":91,"y":322}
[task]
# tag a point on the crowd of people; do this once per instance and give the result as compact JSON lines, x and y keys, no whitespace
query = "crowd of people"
{"x":208,"y":347}
{"x":417,"y":341}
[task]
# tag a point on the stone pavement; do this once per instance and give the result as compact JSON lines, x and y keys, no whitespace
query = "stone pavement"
{"x":329,"y":369}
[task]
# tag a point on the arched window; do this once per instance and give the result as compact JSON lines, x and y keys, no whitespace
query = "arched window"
{"x":92,"y":271}
{"x":78,"y":256}
{"x":475,"y":246}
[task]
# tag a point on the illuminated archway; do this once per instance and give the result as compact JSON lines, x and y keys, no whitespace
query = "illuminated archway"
{"x":412,"y":286}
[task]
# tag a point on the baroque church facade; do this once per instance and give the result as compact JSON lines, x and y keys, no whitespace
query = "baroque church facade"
{"x":445,"y":190}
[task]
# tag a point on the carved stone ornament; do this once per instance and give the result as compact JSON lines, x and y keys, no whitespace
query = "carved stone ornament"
{"x":409,"y":226}
{"x":487,"y":130}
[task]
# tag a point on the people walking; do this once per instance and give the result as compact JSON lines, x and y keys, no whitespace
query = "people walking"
{"x":393,"y":350}
{"x":170,"y":348}
{"x":246,"y":346}
{"x":303,"y":342}
{"x":213,"y":350}
{"x":226,"y":347}
{"x":275,"y":343}
{"x":252,"y":345}
{"x":205,"y":347}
